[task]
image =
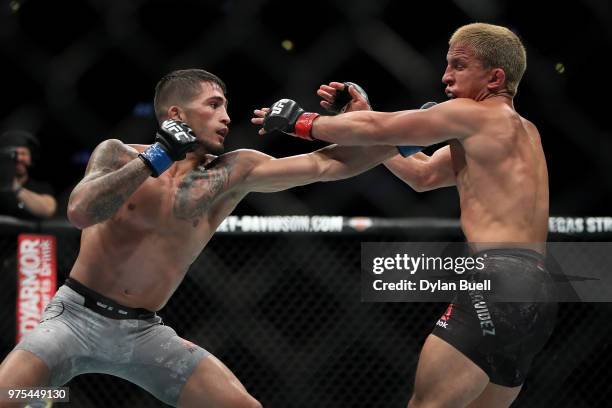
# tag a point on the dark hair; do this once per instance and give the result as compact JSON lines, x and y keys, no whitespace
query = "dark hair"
{"x":179,"y":87}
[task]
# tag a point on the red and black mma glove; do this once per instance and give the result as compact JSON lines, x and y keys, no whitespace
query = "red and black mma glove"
{"x":173,"y":141}
{"x":286,"y":116}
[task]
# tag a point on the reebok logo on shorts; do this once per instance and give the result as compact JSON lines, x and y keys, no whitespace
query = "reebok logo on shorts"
{"x":442,"y":324}
{"x":443,"y":321}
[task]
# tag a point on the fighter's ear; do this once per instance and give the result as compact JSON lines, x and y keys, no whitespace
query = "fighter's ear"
{"x":175,"y":113}
{"x":497,"y":79}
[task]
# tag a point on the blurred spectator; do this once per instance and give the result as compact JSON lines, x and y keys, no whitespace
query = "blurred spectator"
{"x":20,"y":195}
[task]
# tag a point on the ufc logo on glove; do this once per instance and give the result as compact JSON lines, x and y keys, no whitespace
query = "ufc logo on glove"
{"x":174,"y":128}
{"x":278,"y":106}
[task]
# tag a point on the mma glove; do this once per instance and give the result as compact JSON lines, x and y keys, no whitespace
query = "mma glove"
{"x":286,"y":116}
{"x":343,"y":98}
{"x":173,"y":141}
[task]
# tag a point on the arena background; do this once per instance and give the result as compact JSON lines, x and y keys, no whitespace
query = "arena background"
{"x":283,"y":310}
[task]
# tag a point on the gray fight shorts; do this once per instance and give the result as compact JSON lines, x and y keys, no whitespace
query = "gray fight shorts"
{"x":73,"y":339}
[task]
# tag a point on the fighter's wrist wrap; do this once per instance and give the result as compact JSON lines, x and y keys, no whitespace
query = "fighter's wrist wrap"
{"x":156,"y":158}
{"x":407,"y":151}
{"x":303,"y":125}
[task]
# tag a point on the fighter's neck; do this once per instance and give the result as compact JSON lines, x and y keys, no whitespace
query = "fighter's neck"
{"x":504,"y":98}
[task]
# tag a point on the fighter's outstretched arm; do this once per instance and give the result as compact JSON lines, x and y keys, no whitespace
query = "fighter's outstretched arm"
{"x":114,"y":172}
{"x":454,"y":119}
{"x":423,"y":172}
{"x":419,"y":171}
{"x":267,"y":174}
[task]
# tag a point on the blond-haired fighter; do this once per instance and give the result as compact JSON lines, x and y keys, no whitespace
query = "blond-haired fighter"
{"x":481,"y":350}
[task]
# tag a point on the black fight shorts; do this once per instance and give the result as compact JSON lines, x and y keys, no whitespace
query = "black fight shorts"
{"x":501,"y":336}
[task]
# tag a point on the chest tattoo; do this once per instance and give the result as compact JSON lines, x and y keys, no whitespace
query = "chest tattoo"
{"x":199,"y":189}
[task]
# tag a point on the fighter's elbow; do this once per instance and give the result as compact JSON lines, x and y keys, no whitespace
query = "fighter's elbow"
{"x":77,"y":214}
{"x":321,"y":166}
{"x":333,"y":170}
{"x":418,"y":187}
{"x":419,"y":180}
{"x":76,"y":218}
{"x":424,"y":188}
{"x":327,"y":172}
{"x":426,"y":182}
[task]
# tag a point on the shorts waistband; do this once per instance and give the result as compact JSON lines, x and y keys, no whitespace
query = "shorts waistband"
{"x":529,"y":254}
{"x":105,"y":306}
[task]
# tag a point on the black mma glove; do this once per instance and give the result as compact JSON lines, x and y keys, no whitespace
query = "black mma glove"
{"x":343,"y":98}
{"x":174,"y":140}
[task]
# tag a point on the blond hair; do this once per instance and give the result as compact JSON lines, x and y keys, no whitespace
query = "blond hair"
{"x":495,"y":47}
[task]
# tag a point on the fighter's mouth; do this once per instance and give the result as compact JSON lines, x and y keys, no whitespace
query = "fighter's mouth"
{"x":450,"y":94}
{"x":223,"y":132}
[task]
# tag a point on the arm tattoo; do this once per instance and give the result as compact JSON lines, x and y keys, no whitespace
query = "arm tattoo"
{"x":114,"y":189}
{"x":200,"y":187}
{"x":109,"y":181}
{"x":109,"y":157}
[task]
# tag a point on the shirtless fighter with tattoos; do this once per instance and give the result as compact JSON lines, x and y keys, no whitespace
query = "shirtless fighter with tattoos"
{"x":146,"y":213}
